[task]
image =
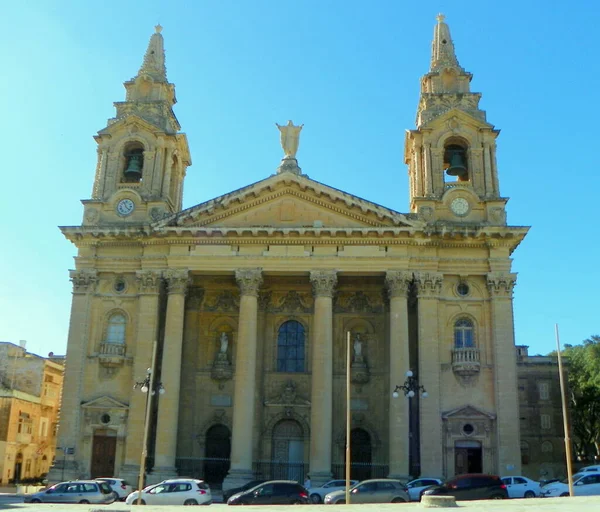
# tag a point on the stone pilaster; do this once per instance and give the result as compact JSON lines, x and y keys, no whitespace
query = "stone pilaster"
{"x":249,"y":281}
{"x":70,"y":466}
{"x":429,"y":287}
{"x":148,"y":285}
{"x":168,"y":404}
{"x":398,"y":283}
{"x":500,"y":288}
{"x":321,"y":417}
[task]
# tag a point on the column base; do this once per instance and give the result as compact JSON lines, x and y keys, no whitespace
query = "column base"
{"x":318,"y":478}
{"x":63,"y":470}
{"x":161,"y":473}
{"x":237,"y":478}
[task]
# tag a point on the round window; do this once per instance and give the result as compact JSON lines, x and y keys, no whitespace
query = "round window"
{"x":468,"y":429}
{"x":462,"y":289}
{"x":120,"y":285}
{"x":105,"y":418}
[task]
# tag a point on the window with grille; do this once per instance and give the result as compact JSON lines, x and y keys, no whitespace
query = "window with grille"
{"x":290,"y":347}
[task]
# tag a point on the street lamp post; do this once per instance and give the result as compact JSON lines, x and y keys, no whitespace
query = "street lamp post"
{"x":147,"y":386}
{"x":411,"y":388}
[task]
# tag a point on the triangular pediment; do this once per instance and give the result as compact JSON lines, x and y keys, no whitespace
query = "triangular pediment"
{"x":132,"y":123}
{"x":288,"y":201}
{"x":454,"y":117}
{"x":104,"y":402}
{"x":467,"y":411}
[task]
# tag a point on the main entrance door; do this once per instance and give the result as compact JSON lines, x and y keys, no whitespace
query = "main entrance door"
{"x":103,"y":456}
{"x":467,"y":457}
{"x":288,"y":451}
{"x":218,"y":451}
{"x":360,"y":454}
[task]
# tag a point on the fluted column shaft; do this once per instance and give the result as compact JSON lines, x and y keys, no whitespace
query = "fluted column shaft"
{"x":399,"y":421}
{"x":168,"y":405}
{"x":249,"y":281}
{"x":429,"y":287}
{"x":321,"y":413}
{"x":500,"y":287}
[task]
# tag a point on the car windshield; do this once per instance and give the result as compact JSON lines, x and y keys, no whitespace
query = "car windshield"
{"x":576,"y":477}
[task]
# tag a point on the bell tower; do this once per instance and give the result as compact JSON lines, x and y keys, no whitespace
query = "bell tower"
{"x":451,"y":155}
{"x":142,"y":156}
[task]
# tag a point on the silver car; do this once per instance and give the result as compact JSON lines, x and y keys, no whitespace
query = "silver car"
{"x":381,"y":490}
{"x":75,"y":491}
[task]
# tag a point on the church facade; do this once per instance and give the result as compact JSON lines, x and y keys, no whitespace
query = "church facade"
{"x":251,"y":299}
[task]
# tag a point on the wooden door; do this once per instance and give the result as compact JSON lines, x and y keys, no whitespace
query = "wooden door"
{"x":103,"y":456}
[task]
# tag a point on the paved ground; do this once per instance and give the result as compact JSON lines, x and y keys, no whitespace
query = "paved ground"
{"x":578,"y":504}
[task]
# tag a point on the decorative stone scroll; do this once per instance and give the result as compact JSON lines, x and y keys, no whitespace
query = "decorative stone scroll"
{"x":429,"y":284}
{"x":84,"y":280}
{"x":357,"y":302}
{"x":225,"y":301}
{"x":292,"y":302}
{"x":194,"y":299}
{"x":148,"y":281}
{"x":501,"y":284}
{"x":249,"y":280}
{"x":323,"y":282}
{"x":398,"y":283}
{"x":178,"y":280}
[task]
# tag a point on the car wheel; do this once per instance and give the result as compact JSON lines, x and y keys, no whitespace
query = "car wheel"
{"x":564,"y":494}
{"x":529,"y":494}
{"x":340,"y":502}
{"x":398,"y":500}
{"x":190,"y":502}
{"x":315,"y":498}
{"x":35,"y":500}
{"x":497,"y":497}
{"x":84,"y":502}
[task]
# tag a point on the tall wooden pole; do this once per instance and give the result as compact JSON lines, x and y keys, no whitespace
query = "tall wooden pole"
{"x":146,"y":426}
{"x":348,"y":417}
{"x":565,"y":416}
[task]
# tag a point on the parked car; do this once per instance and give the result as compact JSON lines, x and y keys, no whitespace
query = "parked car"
{"x":592,"y":469}
{"x":75,"y":491}
{"x":521,"y":487}
{"x":317,"y":494}
{"x":416,"y":487}
{"x":584,"y":484}
{"x":118,"y":485}
{"x":383,"y":490}
{"x":176,"y":491}
{"x":471,"y":487}
{"x":272,"y":492}
{"x":234,"y":490}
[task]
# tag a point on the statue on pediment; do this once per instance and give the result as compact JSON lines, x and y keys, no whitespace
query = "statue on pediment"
{"x":290,"y":138}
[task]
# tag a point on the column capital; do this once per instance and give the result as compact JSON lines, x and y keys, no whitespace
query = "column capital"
{"x":148,"y":281}
{"x":429,"y":284}
{"x":501,"y":284}
{"x":178,"y":280}
{"x":397,"y":282}
{"x":323,"y":282}
{"x":84,"y":280}
{"x":249,"y":280}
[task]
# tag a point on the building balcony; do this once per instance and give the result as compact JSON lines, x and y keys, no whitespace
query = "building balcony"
{"x":465,"y":361}
{"x":112,"y":354}
{"x":23,"y":438}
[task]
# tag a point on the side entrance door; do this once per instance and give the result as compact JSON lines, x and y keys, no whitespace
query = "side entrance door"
{"x":103,"y":456}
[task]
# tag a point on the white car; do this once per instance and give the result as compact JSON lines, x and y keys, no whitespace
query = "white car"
{"x":317,"y":494}
{"x":177,"y":491}
{"x":118,"y":485}
{"x":584,"y":484}
{"x":595,"y":469}
{"x":415,"y":487}
{"x":521,"y":487}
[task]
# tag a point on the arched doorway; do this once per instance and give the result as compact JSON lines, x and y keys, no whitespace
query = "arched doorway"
{"x":467,"y":457}
{"x":218,"y":451}
{"x":104,"y":449}
{"x":18,"y":467}
{"x":360,"y":454}
{"x":288,"y":451}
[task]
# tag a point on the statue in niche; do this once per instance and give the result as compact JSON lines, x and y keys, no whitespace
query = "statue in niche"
{"x":224,"y":341}
{"x":357,"y":347}
{"x":359,"y":372}
{"x":222,"y":367}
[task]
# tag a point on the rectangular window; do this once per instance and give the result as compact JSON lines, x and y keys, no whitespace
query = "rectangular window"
{"x":545,"y":421}
{"x":544,"y":389}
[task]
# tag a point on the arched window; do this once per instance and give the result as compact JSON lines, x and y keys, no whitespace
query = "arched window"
{"x":115,"y":330}
{"x":464,"y":334}
{"x":290,"y":347}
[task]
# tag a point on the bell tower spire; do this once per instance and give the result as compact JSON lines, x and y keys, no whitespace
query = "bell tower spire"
{"x":142,"y":155}
{"x":451,"y":155}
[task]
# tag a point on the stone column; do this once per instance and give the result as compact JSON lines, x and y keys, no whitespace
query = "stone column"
{"x":69,"y":433}
{"x":397,"y":283}
{"x":429,"y":287}
{"x":249,"y":281}
{"x":168,"y":404}
{"x":427,"y":170}
{"x":500,"y":287}
{"x":148,"y":283}
{"x":321,"y":412}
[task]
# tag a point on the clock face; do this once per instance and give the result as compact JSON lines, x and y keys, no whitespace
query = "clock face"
{"x":125,"y":207}
{"x":459,"y":206}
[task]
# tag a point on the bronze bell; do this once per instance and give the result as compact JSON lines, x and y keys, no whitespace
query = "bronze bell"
{"x":457,"y":166}
{"x":134,"y":167}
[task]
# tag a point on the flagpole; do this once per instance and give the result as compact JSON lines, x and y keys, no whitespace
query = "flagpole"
{"x":348,"y":418}
{"x":565,"y":416}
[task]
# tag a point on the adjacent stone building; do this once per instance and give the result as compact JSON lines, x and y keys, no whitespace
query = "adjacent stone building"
{"x":253,"y":295}
{"x":30,"y":388}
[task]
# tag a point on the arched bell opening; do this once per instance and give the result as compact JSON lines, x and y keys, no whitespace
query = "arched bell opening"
{"x":455,"y":161}
{"x":133,"y":163}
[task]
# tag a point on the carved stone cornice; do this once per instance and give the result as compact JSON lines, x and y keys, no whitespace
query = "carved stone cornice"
{"x":429,"y":284}
{"x":84,"y":280}
{"x":323,"y":282}
{"x":194,"y":299}
{"x":249,"y":280}
{"x":398,"y":283}
{"x":501,"y":284}
{"x":178,"y":280}
{"x":148,"y":281}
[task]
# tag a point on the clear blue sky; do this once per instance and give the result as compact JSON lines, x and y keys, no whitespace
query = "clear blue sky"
{"x":348,"y":70}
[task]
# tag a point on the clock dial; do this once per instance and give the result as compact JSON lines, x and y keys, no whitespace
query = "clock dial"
{"x":125,"y":207}
{"x":459,"y":206}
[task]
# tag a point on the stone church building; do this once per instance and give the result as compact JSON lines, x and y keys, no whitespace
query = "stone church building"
{"x":252,"y":296}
